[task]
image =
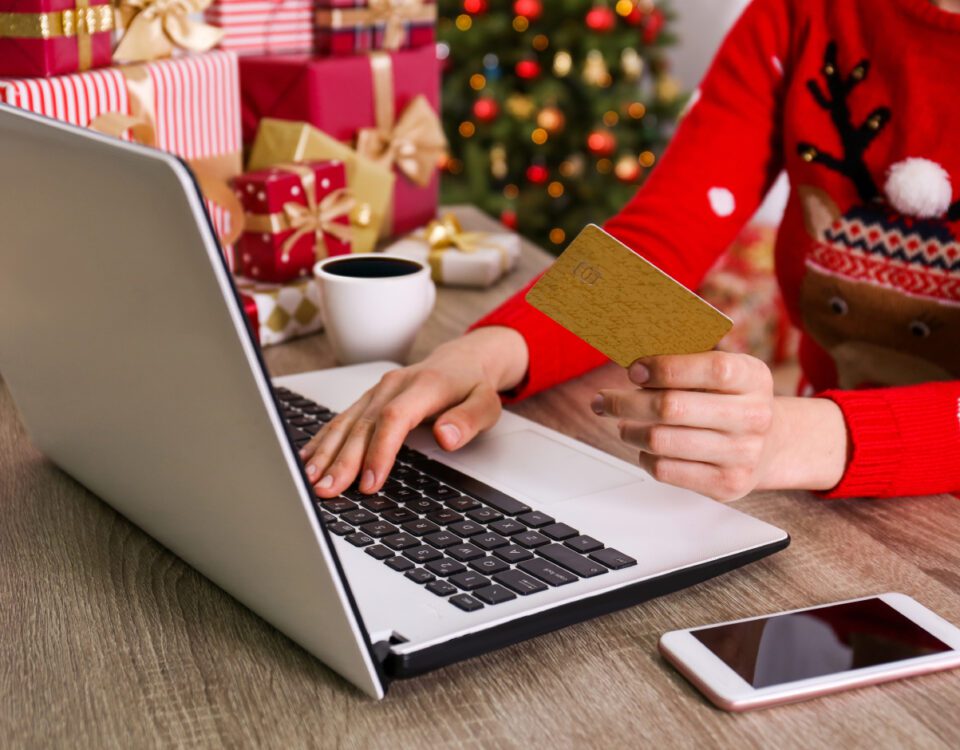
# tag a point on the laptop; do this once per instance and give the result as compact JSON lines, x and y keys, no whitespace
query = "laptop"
{"x":125,"y":348}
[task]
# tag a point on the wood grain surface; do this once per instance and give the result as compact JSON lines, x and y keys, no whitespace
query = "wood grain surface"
{"x":108,"y":640}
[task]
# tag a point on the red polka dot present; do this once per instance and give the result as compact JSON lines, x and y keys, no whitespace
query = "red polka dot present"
{"x":295,"y":215}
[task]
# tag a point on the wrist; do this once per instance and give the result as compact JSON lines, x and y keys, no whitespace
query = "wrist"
{"x":502,"y":352}
{"x":809,"y":445}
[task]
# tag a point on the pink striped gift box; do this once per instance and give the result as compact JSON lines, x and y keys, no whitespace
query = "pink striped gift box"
{"x":188,"y":105}
{"x":264,"y":26}
{"x":347,"y":27}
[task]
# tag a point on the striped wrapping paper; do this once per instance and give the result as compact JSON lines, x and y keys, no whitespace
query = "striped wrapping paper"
{"x":196,"y":100}
{"x":347,"y":38}
{"x":264,"y":26}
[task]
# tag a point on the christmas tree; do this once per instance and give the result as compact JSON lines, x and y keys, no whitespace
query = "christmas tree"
{"x":555,"y":111}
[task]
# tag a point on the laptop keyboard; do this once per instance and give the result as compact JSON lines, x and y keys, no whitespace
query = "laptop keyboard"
{"x":459,"y":538}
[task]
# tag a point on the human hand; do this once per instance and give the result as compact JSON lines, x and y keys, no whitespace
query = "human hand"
{"x":710,"y":423}
{"x":459,"y":381}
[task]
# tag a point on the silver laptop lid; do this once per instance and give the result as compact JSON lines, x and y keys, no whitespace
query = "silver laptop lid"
{"x":127,"y":353}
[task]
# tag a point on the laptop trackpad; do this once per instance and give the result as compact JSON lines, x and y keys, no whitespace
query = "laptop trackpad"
{"x":536,"y":466}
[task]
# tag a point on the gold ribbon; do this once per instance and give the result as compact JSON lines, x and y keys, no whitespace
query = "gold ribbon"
{"x":319,"y":217}
{"x":413,"y":142}
{"x":395,"y":14}
{"x":446,"y":233}
{"x":154,"y":28}
{"x":213,"y":173}
{"x":80,"y":22}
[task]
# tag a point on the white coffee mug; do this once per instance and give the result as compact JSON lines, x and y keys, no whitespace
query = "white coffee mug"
{"x":374,"y":305}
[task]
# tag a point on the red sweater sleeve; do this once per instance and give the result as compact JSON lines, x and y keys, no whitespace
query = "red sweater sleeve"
{"x":903,"y":441}
{"x":720,"y":164}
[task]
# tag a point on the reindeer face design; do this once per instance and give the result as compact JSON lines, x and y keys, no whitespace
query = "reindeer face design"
{"x":881,"y":293}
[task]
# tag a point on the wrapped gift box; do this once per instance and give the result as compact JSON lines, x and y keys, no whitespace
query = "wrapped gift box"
{"x":264,"y":27}
{"x":458,"y":258}
{"x":284,"y":311}
{"x":187,"y":105}
{"x":53,"y":37}
{"x":371,"y":185}
{"x":295,"y":215}
{"x":252,"y":314}
{"x":385,"y":103}
{"x":346,"y":27}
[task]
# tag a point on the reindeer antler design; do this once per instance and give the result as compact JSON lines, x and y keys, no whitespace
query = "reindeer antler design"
{"x":855,"y":138}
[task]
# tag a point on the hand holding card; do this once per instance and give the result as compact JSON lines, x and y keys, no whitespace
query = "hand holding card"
{"x":623,"y":305}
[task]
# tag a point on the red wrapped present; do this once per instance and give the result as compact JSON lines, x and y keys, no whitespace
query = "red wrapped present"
{"x":53,"y":37}
{"x":296,"y":214}
{"x":252,"y":314}
{"x":345,"y":27}
{"x":264,"y":27}
{"x":386,"y":103}
{"x":189,"y":106}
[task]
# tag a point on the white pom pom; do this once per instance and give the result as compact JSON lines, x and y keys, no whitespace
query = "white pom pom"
{"x":919,"y":187}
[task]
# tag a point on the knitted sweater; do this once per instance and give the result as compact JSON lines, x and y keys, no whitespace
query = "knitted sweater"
{"x":855,"y":100}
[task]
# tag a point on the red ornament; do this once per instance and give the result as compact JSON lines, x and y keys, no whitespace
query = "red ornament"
{"x":601,"y":19}
{"x":486,"y":109}
{"x":508,"y":218}
{"x":537,"y":174}
{"x":529,"y":9}
{"x":601,"y":143}
{"x":652,"y":26}
{"x":475,"y":7}
{"x":635,"y":17}
{"x":528,"y":69}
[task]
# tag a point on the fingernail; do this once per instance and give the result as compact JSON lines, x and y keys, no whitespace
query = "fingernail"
{"x":451,"y":434}
{"x":368,"y":479}
{"x":597,"y":405}
{"x":639,"y":373}
{"x":326,"y":483}
{"x":312,"y":470}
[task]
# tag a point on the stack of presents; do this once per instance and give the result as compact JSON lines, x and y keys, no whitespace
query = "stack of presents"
{"x":311,"y":126}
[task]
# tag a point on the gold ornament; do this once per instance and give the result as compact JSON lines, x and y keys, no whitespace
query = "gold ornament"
{"x":520,"y":106}
{"x":627,"y":169}
{"x":573,"y":166}
{"x":595,"y":71}
{"x":562,"y":64}
{"x":498,"y":162}
{"x":632,"y":63}
{"x":551,"y":119}
{"x":668,"y":88}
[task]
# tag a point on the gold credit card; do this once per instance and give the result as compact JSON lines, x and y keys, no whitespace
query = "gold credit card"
{"x":623,"y":305}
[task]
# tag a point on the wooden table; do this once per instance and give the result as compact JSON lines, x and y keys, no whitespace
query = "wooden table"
{"x":107,"y":639}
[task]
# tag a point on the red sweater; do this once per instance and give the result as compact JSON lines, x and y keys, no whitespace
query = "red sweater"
{"x":855,"y":100}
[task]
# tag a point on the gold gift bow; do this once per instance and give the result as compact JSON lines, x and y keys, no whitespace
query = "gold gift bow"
{"x":392,"y":13}
{"x":212,"y":173}
{"x":318,"y":217}
{"x":414,"y":142}
{"x":81,"y":22}
{"x":154,"y":28}
{"x":446,"y":233}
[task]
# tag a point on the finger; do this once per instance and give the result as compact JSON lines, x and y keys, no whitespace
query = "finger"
{"x":734,"y":414}
{"x":707,"y":479}
{"x":341,"y":473}
{"x":721,"y":372}
{"x":692,"y":444}
{"x":324,"y":446}
{"x":461,"y":424}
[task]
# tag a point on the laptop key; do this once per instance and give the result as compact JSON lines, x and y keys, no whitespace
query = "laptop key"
{"x":461,"y":503}
{"x":409,"y":455}
{"x":583,"y":544}
{"x":378,"y":529}
{"x":442,"y":539}
{"x":535,"y":519}
{"x":327,"y":517}
{"x":520,"y":582}
{"x":445,"y":516}
{"x":379,"y":552}
{"x":440,"y":492}
{"x":465,"y":602}
{"x":464,"y":552}
{"x":419,"y":575}
{"x":494,"y":498}
{"x":401,"y":541}
{"x":338,"y":505}
{"x":513,"y":553}
{"x":508,"y":527}
{"x":489,"y":541}
{"x":571,"y":560}
{"x":398,"y":515}
{"x":484,"y":515}
{"x":340,"y":528}
{"x":359,"y":539}
{"x":354,"y":493}
{"x":613,"y":558}
{"x":312,"y":429}
{"x":548,"y":572}
{"x":494,"y":594}
{"x":422,"y":554}
{"x":401,"y":495}
{"x":377,"y":503}
{"x":302,"y":421}
{"x":488,"y":565}
{"x":559,"y":531}
{"x":359,"y":517}
{"x":422,"y":505}
{"x":420,"y":527}
{"x":530,"y":539}
{"x":399,"y":471}
{"x":399,"y":564}
{"x":441,"y":588}
{"x":469,"y":580}
{"x":445,"y":567}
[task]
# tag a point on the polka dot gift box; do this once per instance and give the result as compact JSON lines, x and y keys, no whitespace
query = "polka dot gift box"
{"x":295,"y":215}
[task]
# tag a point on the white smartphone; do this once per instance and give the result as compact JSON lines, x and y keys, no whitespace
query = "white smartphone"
{"x":791,"y":656}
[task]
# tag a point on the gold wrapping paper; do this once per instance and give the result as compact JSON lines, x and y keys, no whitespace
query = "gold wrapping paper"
{"x":155,"y":28}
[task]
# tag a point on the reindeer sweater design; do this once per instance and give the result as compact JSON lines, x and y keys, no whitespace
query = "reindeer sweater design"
{"x":857,"y":101}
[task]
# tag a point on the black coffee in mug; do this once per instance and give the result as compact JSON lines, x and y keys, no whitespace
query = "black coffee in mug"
{"x":372,"y":267}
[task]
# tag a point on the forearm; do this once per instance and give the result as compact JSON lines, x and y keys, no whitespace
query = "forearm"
{"x":810,"y":445}
{"x":503,"y":354}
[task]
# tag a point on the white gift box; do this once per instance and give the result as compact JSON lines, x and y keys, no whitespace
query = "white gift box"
{"x":285,"y":311}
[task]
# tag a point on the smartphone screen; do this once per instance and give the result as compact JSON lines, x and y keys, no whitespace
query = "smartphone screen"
{"x":817,"y":642}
